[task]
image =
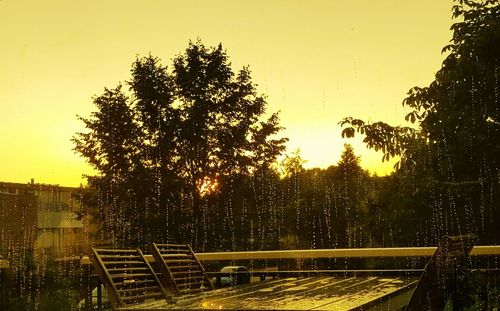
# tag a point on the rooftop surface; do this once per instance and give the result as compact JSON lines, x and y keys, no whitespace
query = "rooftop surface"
{"x":312,"y":293}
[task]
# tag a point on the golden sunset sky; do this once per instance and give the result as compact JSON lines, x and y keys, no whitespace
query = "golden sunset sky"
{"x":317,"y":62}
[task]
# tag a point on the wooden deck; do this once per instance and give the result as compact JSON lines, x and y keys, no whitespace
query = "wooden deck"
{"x":374,"y":290}
{"x":311,"y":293}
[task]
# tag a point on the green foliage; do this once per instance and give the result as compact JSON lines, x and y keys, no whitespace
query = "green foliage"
{"x":349,"y":162}
{"x":324,"y":208}
{"x":58,"y":293}
{"x":455,"y":146}
{"x":39,"y":285}
{"x":292,"y":164}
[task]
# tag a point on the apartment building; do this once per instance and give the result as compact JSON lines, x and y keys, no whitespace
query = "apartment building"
{"x":40,"y":216}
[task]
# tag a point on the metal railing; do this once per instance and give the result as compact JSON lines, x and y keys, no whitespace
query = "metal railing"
{"x":491,"y":250}
{"x":487,"y":250}
{"x":90,"y":279}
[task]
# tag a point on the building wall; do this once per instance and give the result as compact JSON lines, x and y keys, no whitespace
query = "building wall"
{"x":56,"y":199}
{"x":40,"y":216}
{"x":18,"y":220}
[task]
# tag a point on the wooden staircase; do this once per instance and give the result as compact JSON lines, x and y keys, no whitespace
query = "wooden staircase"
{"x":181,"y":270}
{"x":128,"y":277}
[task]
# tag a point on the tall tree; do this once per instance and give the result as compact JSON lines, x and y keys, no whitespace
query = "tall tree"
{"x":456,"y":145}
{"x":174,"y":134}
{"x":220,"y":131}
{"x":350,"y":183}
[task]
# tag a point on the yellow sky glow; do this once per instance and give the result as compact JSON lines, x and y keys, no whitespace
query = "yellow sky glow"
{"x":317,"y":62}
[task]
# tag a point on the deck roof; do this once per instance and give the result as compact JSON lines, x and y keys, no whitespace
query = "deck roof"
{"x":311,"y":293}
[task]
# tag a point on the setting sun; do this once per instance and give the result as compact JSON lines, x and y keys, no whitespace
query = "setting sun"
{"x":207,"y":186}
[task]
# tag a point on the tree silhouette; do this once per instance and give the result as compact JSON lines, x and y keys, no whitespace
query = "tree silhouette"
{"x":292,"y":164}
{"x":456,"y":146}
{"x":175,"y":131}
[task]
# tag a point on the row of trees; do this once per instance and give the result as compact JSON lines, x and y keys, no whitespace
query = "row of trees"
{"x":184,"y":154}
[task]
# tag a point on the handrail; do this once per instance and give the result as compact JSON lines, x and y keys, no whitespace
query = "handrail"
{"x":489,"y":250}
{"x":484,"y":250}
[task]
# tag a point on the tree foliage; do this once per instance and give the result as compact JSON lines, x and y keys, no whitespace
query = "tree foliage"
{"x":292,"y":164}
{"x":455,"y":145}
{"x":155,"y":145}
